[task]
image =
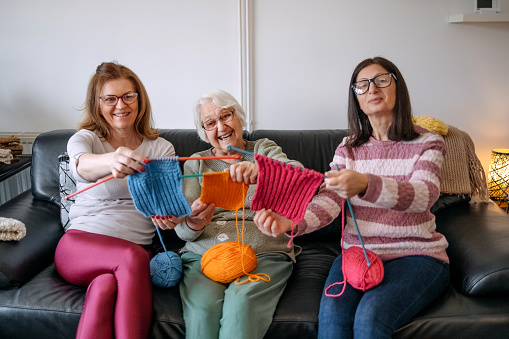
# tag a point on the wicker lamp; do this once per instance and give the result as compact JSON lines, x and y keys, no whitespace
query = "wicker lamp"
{"x":498,"y":177}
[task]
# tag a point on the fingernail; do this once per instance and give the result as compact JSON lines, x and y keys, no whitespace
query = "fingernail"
{"x":153,"y":216}
{"x":162,"y":218}
{"x":142,"y":169}
{"x":170,"y":216}
{"x":146,"y":161}
{"x":157,"y":217}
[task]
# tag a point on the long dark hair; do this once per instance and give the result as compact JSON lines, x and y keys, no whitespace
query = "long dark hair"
{"x":360,"y":129}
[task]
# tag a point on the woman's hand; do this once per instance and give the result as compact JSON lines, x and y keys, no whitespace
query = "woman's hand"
{"x":166,"y":223}
{"x":272,"y":224}
{"x":244,"y":171}
{"x":125,"y":161}
{"x":347,"y":183}
{"x":202,"y":215}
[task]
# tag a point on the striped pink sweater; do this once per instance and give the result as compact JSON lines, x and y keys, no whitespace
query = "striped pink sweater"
{"x":393,"y":214}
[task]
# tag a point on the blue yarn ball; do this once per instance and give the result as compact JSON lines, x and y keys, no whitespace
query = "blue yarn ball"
{"x":166,"y":269}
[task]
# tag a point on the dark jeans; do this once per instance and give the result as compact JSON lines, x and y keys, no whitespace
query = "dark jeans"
{"x":409,"y":284}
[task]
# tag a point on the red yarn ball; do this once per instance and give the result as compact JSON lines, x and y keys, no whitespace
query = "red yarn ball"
{"x":357,"y":272}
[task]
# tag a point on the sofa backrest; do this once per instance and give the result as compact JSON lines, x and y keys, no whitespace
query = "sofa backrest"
{"x":313,"y":148}
{"x":44,"y":171}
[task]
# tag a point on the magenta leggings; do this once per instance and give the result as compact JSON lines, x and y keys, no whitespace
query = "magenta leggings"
{"x":118,"y":303}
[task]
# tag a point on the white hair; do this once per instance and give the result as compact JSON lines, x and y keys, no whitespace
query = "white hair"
{"x":221,"y":99}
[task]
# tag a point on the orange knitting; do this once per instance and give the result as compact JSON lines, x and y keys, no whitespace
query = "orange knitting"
{"x":219,"y":188}
{"x":228,"y":261}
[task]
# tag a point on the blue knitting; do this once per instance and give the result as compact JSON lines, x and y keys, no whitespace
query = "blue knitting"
{"x":158,"y":190}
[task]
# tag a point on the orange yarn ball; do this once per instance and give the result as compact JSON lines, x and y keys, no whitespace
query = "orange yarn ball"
{"x":357,"y":272}
{"x":228,"y":261}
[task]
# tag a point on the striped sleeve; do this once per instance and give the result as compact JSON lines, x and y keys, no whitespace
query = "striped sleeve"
{"x":321,"y":211}
{"x":415,"y":190}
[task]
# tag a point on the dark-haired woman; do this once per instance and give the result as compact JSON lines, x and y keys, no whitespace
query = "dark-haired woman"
{"x":389,"y":170}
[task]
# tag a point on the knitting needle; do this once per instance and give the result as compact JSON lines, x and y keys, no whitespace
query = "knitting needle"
{"x":249,"y":153}
{"x":239,"y":150}
{"x":67,"y":197}
{"x":356,"y":227}
{"x":197,"y":158}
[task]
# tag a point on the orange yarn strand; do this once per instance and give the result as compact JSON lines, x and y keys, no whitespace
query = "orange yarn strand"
{"x":229,"y":261}
{"x":251,"y":277}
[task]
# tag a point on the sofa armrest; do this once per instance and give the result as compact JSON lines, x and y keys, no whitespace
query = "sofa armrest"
{"x":478,"y":236}
{"x":21,"y":260}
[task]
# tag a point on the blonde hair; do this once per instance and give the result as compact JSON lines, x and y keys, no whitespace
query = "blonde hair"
{"x":94,"y":121}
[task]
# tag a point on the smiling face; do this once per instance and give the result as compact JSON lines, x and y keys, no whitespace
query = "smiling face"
{"x":228,"y":133}
{"x":120,"y":117}
{"x":379,"y":102}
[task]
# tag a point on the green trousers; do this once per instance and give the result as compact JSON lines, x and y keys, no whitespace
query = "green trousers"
{"x":216,"y":310}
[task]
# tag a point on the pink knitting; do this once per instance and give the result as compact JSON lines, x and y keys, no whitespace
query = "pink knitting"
{"x":283,"y":188}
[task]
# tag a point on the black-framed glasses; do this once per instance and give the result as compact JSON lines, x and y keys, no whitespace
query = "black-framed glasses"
{"x":380,"y":81}
{"x":224,"y":117}
{"x":111,"y":100}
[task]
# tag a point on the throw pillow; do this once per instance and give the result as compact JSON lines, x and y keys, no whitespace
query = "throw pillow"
{"x":67,"y":185}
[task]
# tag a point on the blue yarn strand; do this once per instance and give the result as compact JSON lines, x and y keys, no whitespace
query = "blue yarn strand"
{"x":161,"y":238}
{"x":356,"y":227}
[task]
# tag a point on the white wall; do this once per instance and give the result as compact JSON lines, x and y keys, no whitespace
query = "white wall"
{"x":302,"y":53}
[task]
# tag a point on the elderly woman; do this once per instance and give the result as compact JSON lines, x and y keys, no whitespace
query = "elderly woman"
{"x":389,"y":169}
{"x":107,"y":245}
{"x":227,"y":310}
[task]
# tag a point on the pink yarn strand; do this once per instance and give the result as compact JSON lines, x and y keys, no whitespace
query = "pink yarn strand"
{"x":291,"y":239}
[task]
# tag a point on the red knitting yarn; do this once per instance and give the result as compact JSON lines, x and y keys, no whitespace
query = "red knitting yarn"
{"x":357,"y":272}
{"x":355,"y":268}
{"x":283,"y":188}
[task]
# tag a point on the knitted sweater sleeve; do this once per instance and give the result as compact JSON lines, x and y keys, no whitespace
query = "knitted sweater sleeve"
{"x":321,"y":211}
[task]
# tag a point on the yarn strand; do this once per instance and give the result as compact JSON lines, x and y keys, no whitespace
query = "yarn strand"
{"x":358,"y":273}
{"x":251,"y":277}
{"x":356,"y":227}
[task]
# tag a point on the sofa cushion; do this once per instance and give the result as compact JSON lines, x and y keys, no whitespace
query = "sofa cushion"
{"x":478,"y":234}
{"x":447,"y":200}
{"x":22,"y":260}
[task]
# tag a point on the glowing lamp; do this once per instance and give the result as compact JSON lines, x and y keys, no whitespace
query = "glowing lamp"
{"x":498,"y":177}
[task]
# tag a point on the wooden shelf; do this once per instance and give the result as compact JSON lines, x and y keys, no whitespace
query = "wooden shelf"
{"x":479,"y":17}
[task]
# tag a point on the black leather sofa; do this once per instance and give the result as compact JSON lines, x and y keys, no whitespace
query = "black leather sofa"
{"x":35,"y":302}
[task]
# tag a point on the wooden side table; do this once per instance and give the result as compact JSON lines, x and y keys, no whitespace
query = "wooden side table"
{"x":15,"y":177}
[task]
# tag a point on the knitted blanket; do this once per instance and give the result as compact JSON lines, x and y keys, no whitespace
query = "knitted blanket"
{"x":11,"y":229}
{"x":5,"y":156}
{"x":462,"y":172}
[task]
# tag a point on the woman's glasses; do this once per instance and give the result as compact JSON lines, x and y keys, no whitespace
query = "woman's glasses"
{"x":111,"y":100}
{"x":380,"y":81}
{"x":224,"y":117}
